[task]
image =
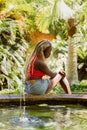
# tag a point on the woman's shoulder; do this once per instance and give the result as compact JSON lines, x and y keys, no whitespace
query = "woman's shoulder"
{"x":39,"y":61}
{"x":39,"y":64}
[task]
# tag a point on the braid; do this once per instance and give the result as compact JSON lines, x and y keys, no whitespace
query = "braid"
{"x":40,"y":43}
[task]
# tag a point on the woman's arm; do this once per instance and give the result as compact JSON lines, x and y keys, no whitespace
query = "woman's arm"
{"x":40,"y":65}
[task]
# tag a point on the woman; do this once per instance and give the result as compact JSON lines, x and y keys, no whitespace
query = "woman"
{"x":36,"y":69}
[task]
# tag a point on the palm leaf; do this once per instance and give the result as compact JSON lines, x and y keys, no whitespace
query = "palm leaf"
{"x":43,"y":20}
{"x":26,"y":7}
{"x":47,"y":15}
{"x":64,"y":11}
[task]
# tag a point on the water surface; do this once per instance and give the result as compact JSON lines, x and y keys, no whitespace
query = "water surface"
{"x":43,"y":117}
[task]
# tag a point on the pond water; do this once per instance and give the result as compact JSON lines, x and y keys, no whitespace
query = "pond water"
{"x":43,"y":117}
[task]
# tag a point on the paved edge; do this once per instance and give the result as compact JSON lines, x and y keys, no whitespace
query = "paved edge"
{"x":27,"y":99}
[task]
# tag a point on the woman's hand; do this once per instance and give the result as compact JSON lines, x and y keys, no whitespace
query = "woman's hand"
{"x":62,"y":72}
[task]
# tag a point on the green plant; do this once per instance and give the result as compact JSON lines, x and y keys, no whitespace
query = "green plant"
{"x":81,"y":87}
{"x":12,"y":49}
{"x":82,"y":63}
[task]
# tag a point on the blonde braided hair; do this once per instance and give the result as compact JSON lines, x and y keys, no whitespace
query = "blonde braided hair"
{"x":39,"y":50}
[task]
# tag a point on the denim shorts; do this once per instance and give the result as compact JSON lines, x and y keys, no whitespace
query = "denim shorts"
{"x":38,"y":87}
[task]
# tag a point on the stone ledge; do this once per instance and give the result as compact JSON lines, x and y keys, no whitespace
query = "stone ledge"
{"x":28,"y":99}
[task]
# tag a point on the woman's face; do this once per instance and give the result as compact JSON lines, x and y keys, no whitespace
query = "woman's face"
{"x":47,"y":52}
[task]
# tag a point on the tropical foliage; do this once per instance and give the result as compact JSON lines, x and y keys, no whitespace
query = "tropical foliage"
{"x":12,"y":49}
{"x":82,"y":62}
{"x":20,"y":21}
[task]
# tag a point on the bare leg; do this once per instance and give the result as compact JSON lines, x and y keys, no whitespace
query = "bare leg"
{"x":54,"y":82}
{"x":63,"y":81}
{"x":65,"y":85}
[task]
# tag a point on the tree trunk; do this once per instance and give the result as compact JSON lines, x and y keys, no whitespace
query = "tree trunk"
{"x":71,"y":65}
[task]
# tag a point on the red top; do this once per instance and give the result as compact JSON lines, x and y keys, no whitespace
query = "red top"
{"x":32,"y":71}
